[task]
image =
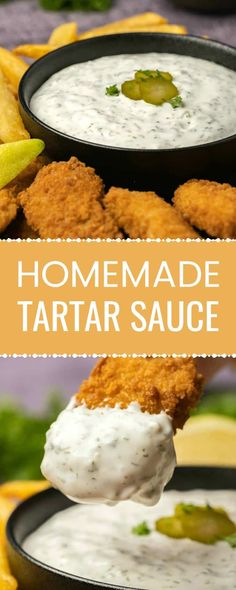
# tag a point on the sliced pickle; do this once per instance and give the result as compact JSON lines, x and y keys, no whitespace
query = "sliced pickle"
{"x":131,"y":89}
{"x":170,"y":526}
{"x":158,"y":90}
{"x":167,"y":76}
{"x":199,"y":523}
{"x":206,"y":525}
{"x":146,"y":74}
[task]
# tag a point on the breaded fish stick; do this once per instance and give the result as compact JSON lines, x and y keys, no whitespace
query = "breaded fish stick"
{"x":210,"y":206}
{"x":64,"y":201}
{"x":145,"y":215}
{"x":172,"y":385}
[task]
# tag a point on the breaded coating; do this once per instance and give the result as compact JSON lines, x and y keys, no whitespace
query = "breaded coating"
{"x":145,"y":215}
{"x":26,"y":177}
{"x":210,"y":206}
{"x":19,"y":228}
{"x":173,"y":385}
{"x":64,"y":202}
{"x":8,"y":208}
{"x":8,"y":195}
{"x":24,"y":231}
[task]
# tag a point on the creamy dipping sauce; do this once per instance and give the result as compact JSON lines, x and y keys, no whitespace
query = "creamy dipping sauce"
{"x":108,"y":454}
{"x":74,"y":102}
{"x":96,"y":542}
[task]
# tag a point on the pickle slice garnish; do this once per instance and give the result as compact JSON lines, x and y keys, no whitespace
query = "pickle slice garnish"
{"x":131,"y":89}
{"x":146,"y":74}
{"x":203,"y":524}
{"x":170,"y":526}
{"x":153,"y":86}
{"x":156,"y":91}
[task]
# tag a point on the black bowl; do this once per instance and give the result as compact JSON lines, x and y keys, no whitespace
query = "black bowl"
{"x":208,"y":6}
{"x":33,"y":575}
{"x":134,"y":168}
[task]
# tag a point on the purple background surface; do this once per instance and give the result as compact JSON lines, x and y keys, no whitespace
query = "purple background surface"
{"x":30,"y":380}
{"x":23,"y":21}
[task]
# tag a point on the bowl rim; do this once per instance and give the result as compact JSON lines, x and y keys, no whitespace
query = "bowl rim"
{"x":197,"y":469}
{"x":19,"y":549}
{"x":175,"y":37}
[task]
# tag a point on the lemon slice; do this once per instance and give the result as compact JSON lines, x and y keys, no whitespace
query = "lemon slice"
{"x":16,"y":156}
{"x":207,"y":440}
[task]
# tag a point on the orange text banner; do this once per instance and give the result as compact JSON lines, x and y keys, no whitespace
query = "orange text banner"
{"x":117,"y":297}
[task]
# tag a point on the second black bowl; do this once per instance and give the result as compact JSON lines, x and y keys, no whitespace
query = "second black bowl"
{"x":34,"y":575}
{"x":134,"y":168}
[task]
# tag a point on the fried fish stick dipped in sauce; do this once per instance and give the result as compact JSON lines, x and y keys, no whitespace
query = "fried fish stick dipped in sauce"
{"x":210,"y":206}
{"x":114,"y":441}
{"x":64,"y":201}
{"x":145,"y":215}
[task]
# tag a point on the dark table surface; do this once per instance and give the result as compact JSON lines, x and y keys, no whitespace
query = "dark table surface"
{"x":24,"y":20}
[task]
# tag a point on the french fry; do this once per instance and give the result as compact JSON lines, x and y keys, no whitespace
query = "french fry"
{"x":12,"y":67}
{"x":7,"y":582}
{"x":174,"y":29}
{"x":33,"y":51}
{"x":11,"y":124}
{"x":131,"y":24}
{"x":20,"y":490}
{"x":164,"y":28}
{"x":64,"y":34}
{"x":6,"y":507}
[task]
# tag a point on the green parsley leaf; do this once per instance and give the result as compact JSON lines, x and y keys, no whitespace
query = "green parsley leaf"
{"x":141,"y":529}
{"x":98,"y":5}
{"x":231,"y":540}
{"x":176,"y":102}
{"x":112,"y":90}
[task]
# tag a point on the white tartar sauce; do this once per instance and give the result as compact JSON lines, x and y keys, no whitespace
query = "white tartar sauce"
{"x":74,"y":101}
{"x":109,"y":454}
{"x":96,"y":542}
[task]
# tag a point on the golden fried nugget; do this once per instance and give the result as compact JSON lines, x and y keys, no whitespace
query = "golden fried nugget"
{"x":20,"y":229}
{"x":8,"y":208}
{"x":210,"y":206}
{"x":26,"y":177}
{"x":64,"y":202}
{"x":145,"y":215}
{"x":172,"y":385}
{"x":8,"y":196}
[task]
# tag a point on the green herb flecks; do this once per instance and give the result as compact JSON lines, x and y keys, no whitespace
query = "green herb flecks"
{"x":112,"y":90}
{"x":176,"y":102}
{"x":22,"y":438}
{"x":141,"y":529}
{"x":218,"y":403}
{"x":85,"y":5}
{"x":231,"y":540}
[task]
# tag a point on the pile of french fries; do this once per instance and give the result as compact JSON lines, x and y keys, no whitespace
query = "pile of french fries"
{"x":12,"y":66}
{"x":10,"y":494}
{"x":68,"y":33}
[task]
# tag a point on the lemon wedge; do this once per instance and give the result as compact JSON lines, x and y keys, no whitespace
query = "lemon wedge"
{"x":16,"y":156}
{"x":207,"y":440}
